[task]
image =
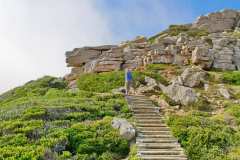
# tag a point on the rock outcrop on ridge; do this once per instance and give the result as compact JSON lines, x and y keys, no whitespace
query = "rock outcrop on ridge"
{"x":209,"y":43}
{"x":219,"y":21}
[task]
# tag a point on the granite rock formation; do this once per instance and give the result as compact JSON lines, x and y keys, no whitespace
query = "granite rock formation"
{"x":218,"y":49}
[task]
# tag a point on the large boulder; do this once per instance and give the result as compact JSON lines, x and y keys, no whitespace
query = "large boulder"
{"x":193,"y":77}
{"x":180,"y":94}
{"x":202,"y":57}
{"x":80,"y":56}
{"x":223,"y":51}
{"x":126,"y":130}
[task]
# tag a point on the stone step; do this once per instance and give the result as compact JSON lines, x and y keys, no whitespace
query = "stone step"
{"x":154,"y":140}
{"x":148,"y":117}
{"x":158,"y":145}
{"x":138,"y":98}
{"x":148,"y":114}
{"x":145,"y":107}
{"x":153,"y":128}
{"x":155,"y":132}
{"x":161,"y":152}
{"x":151,"y":125}
{"x":152,"y":121}
{"x":160,"y":157}
{"x":144,"y":111}
{"x":142,"y":104}
{"x":154,"y":136}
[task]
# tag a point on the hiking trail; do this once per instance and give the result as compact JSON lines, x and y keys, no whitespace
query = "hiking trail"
{"x":154,"y":139}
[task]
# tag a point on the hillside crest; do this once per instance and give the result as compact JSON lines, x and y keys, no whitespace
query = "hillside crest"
{"x":211,"y":42}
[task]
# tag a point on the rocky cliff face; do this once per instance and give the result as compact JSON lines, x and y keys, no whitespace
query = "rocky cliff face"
{"x":209,"y":42}
{"x":219,"y":21}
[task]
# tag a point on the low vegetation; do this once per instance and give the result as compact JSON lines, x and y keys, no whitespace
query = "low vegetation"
{"x":232,"y":77}
{"x":105,"y":82}
{"x":235,"y":34}
{"x":45,"y":120}
{"x":175,"y":30}
{"x":205,"y":137}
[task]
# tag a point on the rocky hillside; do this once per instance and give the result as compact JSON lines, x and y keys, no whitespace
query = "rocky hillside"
{"x":211,"y":42}
{"x":189,"y":74}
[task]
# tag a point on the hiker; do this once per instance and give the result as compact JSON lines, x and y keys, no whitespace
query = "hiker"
{"x":128,"y":80}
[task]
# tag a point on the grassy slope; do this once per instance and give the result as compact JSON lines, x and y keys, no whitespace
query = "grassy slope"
{"x":43,"y":119}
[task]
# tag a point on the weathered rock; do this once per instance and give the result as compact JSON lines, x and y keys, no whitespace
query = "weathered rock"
{"x":206,"y":86}
{"x":218,"y":50}
{"x":180,"y":94}
{"x":165,"y":55}
{"x":202,"y":57}
{"x":169,"y":40}
{"x":80,"y":56}
{"x":181,"y":40}
{"x":150,"y":81}
{"x":103,"y":65}
{"x":140,"y":39}
{"x":77,"y":70}
{"x":126,"y":130}
{"x":224,"y":92}
{"x":161,"y":102}
{"x":193,"y":77}
{"x":146,"y":89}
{"x":72,"y":84}
{"x":223,"y":52}
{"x":218,"y":22}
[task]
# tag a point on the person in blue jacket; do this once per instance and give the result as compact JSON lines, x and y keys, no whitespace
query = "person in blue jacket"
{"x":128,"y":80}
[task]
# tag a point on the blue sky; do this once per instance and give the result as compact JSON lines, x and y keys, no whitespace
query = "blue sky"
{"x":34,"y":35}
{"x":147,"y":17}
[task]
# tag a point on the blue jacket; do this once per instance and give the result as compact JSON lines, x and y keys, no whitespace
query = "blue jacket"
{"x":129,"y":76}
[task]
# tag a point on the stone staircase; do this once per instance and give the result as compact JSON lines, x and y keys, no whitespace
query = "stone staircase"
{"x":154,"y":140}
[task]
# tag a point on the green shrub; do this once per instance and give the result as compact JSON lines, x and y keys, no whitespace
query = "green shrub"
{"x":234,"y":110}
{"x":195,"y":32}
{"x":102,"y":82}
{"x":235,"y":34}
{"x":133,"y":153}
{"x":232,"y":77}
{"x":203,"y":138}
{"x":97,"y":138}
{"x":175,"y":30}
